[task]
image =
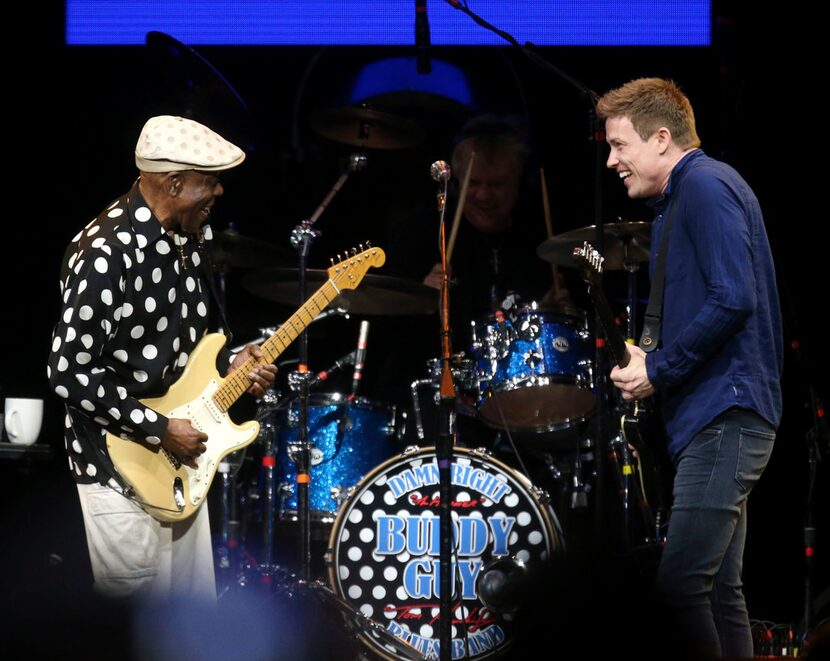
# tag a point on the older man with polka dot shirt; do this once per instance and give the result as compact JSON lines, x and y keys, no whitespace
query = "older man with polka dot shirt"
{"x":135,"y":304}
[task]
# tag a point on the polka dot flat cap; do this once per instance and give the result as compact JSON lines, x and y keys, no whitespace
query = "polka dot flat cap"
{"x":169,"y":144}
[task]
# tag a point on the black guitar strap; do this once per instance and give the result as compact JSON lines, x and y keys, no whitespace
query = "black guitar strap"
{"x":207,"y":270}
{"x":653,"y":319}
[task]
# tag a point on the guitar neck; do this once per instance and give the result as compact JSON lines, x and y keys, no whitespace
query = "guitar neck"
{"x":616,"y":341}
{"x":238,"y":382}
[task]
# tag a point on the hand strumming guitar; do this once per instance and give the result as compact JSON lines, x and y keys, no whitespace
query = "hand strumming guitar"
{"x":632,"y":379}
{"x":184,"y":441}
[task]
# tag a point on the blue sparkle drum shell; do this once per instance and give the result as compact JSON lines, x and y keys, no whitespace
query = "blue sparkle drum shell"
{"x":534,"y":368}
{"x":347,"y":441}
{"x":384,"y":548}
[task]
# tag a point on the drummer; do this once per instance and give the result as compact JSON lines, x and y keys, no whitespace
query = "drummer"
{"x":494,"y":257}
{"x":494,"y":262}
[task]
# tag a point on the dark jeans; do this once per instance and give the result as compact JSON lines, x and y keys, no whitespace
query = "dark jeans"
{"x":699,"y":578}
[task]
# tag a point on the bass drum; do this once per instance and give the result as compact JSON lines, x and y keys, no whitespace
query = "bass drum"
{"x":384,"y":549}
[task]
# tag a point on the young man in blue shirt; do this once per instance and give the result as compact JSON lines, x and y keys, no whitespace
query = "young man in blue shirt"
{"x":718,"y":363}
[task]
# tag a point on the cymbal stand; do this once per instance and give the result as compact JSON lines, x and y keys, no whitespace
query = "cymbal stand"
{"x":301,"y":238}
{"x":269,"y":463}
{"x":228,"y":551}
{"x":233,"y":555}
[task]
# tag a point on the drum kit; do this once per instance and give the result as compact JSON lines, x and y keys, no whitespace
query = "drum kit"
{"x":529,"y":372}
{"x":371,"y":499}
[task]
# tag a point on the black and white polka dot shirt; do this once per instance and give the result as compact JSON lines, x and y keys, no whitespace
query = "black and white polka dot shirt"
{"x":135,"y":304}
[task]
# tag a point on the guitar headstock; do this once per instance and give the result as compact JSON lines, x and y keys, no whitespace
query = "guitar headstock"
{"x":589,"y":263}
{"x":348,"y":272}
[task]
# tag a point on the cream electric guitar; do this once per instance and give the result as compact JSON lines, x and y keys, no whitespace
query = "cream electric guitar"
{"x":166,"y":488}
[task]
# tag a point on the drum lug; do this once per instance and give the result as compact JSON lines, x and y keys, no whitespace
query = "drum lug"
{"x":410,"y":449}
{"x":339,"y":495}
{"x":293,"y":450}
{"x":540,"y":495}
{"x":531,"y":328}
{"x":532,"y":358}
{"x":481,"y":452}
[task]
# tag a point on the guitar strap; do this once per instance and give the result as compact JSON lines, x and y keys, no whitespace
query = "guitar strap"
{"x":653,"y":319}
{"x":206,"y":266}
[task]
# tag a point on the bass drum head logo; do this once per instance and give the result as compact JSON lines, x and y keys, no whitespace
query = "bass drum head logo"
{"x":384,"y":555}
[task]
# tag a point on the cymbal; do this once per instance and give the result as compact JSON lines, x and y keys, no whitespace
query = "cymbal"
{"x":367,"y":128}
{"x":624,"y":242}
{"x":230,"y":248}
{"x":375,"y":295}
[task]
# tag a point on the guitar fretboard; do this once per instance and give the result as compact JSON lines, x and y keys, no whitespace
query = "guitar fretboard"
{"x":238,"y":382}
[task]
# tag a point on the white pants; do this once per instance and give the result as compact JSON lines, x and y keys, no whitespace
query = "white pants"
{"x":134,"y":554}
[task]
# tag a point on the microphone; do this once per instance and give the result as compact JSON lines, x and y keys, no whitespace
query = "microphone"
{"x":440,"y":171}
{"x":422,"y":37}
{"x":359,"y":357}
{"x":338,"y":364}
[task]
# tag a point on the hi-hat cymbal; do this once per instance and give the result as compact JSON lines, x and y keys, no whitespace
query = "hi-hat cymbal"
{"x":230,"y":248}
{"x":624,"y":243}
{"x":367,"y":128}
{"x":375,"y":295}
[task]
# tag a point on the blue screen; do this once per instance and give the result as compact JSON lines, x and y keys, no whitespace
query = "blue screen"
{"x":359,"y":22}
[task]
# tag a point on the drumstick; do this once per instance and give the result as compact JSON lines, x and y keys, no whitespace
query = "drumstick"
{"x":460,"y":208}
{"x":549,"y":227}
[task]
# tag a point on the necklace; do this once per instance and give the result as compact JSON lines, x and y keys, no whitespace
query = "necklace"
{"x":180,"y":247}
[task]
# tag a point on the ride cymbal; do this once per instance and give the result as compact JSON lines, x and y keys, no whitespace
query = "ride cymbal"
{"x":232,"y":249}
{"x":623,"y":243}
{"x":363,"y":127}
{"x":375,"y":295}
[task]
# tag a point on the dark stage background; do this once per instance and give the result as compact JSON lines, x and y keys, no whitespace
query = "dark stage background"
{"x":73,"y":116}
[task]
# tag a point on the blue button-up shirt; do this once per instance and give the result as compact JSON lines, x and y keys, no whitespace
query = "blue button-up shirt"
{"x":721,"y":342}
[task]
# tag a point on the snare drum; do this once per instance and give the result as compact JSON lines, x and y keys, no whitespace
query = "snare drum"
{"x":347,"y":441}
{"x":534,"y":368}
{"x":384,"y":548}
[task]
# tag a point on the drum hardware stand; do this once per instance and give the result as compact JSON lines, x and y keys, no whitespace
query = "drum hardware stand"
{"x":416,"y":405}
{"x":228,"y":551}
{"x":301,"y":238}
{"x":269,"y":461}
{"x":579,"y":489}
{"x":266,"y":567}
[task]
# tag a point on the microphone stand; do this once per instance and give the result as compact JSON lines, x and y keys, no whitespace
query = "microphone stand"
{"x":444,"y":452}
{"x":301,"y":238}
{"x":597,"y":136}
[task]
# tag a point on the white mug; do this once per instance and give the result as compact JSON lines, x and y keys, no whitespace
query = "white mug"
{"x":23,"y":419}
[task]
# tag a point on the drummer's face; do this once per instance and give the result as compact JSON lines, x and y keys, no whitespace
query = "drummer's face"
{"x":491,"y":194}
